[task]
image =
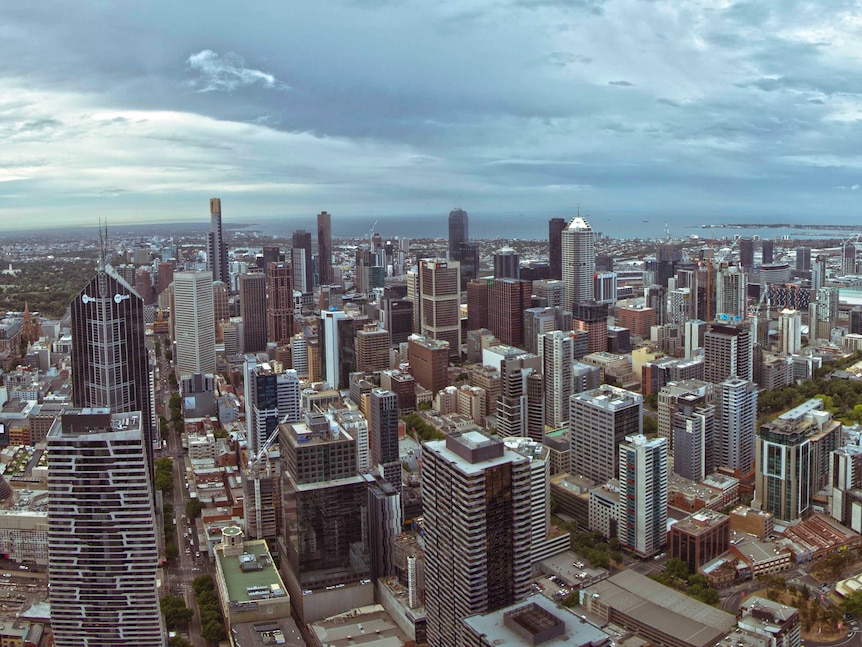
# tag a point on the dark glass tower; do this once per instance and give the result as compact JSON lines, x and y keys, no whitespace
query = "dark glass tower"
{"x":216,"y":247}
{"x":302,"y":240}
{"x":324,"y":248}
{"x":252,"y":299}
{"x":555,"y":248}
{"x":458,"y":233}
{"x":110,"y":363}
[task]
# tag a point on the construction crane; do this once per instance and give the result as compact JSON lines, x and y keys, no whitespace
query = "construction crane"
{"x":371,"y":231}
{"x":253,"y":472}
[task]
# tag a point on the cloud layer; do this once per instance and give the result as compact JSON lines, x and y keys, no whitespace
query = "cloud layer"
{"x":718,"y":109}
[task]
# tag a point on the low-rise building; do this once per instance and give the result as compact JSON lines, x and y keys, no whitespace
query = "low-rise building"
{"x":699,"y":538}
{"x":777,"y":623}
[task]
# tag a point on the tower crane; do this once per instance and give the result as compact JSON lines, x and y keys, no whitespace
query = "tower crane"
{"x":253,"y":472}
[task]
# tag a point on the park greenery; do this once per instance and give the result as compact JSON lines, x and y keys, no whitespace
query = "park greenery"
{"x":212,"y":624}
{"x":179,"y":641}
{"x":193,"y":508}
{"x":164,"y":474}
{"x":171,"y":550}
{"x":422,"y":430}
{"x":676,"y":575}
{"x":175,"y":611}
{"x":816,"y":618}
{"x":46,"y":286}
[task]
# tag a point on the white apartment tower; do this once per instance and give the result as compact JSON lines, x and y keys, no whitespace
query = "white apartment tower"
{"x":579,"y":262}
{"x":643,"y":494}
{"x":790,"y":331}
{"x":477,"y":497}
{"x":731,"y":295}
{"x":102,"y":545}
{"x":556,"y":350}
{"x":194,"y":323}
{"x":736,"y":409}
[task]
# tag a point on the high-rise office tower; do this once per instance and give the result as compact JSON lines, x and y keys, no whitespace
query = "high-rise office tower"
{"x":252,"y":300}
{"x":736,"y":408}
{"x":194,"y":323}
{"x":383,"y":433}
{"x":555,"y":249}
{"x":541,"y":320}
{"x":397,"y":316}
{"x":643,"y":479}
{"x":102,"y":545}
{"x":329,"y":325}
{"x":221,"y":302}
{"x":767,"y":248}
{"x":731,"y":292}
{"x":695,"y":334}
{"x":507,"y":264}
{"x":679,"y":307}
{"x":693,"y":437}
{"x":599,"y":421}
{"x":476,"y":496}
{"x":372,"y":348}
{"x":458,"y":232}
{"x":429,"y":361}
{"x":110,"y":361}
{"x":216,"y":246}
{"x":848,"y":259}
{"x":790,"y":331}
{"x":550,"y":293}
{"x":324,"y":502}
{"x":579,"y":261}
{"x":270,"y":398}
{"x":279,"y":302}
{"x":668,"y":256}
{"x":440,"y":293}
{"x":803,"y":259}
{"x":727,"y":353}
{"x":324,"y":248}
{"x":605,"y":287}
{"x":592,"y":318}
{"x":144,"y":285}
{"x":845,"y":480}
{"x":668,"y":397}
{"x":746,"y":253}
{"x":477,"y":303}
{"x":164,"y":276}
{"x":302,"y":241}
{"x":507,"y":301}
{"x":555,"y":349}
{"x":521,"y":405}
{"x":469,"y":254}
{"x":414,"y":298}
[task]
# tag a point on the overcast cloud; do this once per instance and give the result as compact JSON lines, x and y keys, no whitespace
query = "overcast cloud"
{"x":720,"y":109}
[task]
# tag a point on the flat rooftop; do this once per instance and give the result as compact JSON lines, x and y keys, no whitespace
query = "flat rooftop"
{"x":575,"y":633}
{"x":251,"y":576}
{"x":661,"y":607}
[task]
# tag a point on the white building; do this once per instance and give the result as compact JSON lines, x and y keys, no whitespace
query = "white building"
{"x":790,"y":331}
{"x":194,"y":323}
{"x":579,"y":261}
{"x":556,"y":350}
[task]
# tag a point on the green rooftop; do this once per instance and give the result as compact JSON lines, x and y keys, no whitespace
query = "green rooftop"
{"x":252,"y":576}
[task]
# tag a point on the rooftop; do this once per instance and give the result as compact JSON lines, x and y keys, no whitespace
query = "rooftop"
{"x":251,"y":576}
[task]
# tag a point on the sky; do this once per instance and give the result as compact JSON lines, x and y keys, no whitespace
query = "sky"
{"x":142,"y":111}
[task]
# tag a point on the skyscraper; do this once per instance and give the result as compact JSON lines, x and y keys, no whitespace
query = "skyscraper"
{"x":458,"y":232}
{"x":279,"y":302}
{"x":476,"y":495}
{"x":803,"y":259}
{"x":767,"y":248}
{"x":216,"y":246}
{"x":102,"y":546}
{"x":383,"y":433}
{"x":643,"y":497}
{"x":555,"y":349}
{"x":324,"y":248}
{"x":746,"y":253}
{"x":507,"y":301}
{"x":302,"y":263}
{"x":848,"y":259}
{"x":790,"y":331}
{"x":579,"y":261}
{"x":329,"y":324}
{"x":440,"y":293}
{"x":194,"y":323}
{"x":736,"y":407}
{"x":693,"y":437}
{"x":555,"y":249}
{"x":731,"y":292}
{"x":110,"y":362}
{"x":252,"y":300}
{"x":507,"y":264}
{"x":727,"y":353}
{"x":599,"y":421}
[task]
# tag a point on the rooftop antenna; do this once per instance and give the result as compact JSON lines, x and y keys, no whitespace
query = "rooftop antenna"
{"x":103,"y":244}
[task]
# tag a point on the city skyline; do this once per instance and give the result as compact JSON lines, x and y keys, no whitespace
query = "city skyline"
{"x":627,"y":109}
